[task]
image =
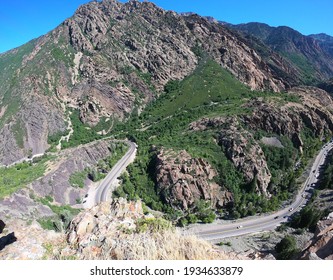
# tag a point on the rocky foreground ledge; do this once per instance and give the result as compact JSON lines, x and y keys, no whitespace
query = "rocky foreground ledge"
{"x":120,"y":230}
{"x":117,"y":230}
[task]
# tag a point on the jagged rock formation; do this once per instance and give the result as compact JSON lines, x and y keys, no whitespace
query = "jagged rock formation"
{"x":183,"y":180}
{"x":321,"y":246}
{"x":241,"y":148}
{"x":325,"y":42}
{"x":120,"y":230}
{"x":111,"y":230}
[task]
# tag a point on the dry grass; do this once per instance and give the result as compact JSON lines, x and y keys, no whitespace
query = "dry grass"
{"x":163,"y":245}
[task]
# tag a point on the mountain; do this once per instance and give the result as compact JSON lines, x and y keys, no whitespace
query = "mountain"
{"x":224,"y":121}
{"x":325,"y":41}
{"x":311,"y":55}
{"x":105,"y":62}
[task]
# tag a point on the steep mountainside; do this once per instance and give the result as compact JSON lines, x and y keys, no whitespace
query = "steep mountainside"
{"x":108,"y":60}
{"x":311,"y":55}
{"x":325,"y":41}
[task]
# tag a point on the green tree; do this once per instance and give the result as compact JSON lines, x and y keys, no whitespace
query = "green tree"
{"x":286,"y":249}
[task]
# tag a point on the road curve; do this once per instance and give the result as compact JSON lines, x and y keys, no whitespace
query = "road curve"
{"x":265,"y":222}
{"x":100,"y":194}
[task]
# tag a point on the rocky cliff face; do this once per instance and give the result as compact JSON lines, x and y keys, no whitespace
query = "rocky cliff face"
{"x":115,"y":230}
{"x":311,"y":55}
{"x":241,"y":148}
{"x":26,"y":241}
{"x":183,"y":180}
{"x":321,"y":246}
{"x":107,"y":60}
{"x":314,"y":111}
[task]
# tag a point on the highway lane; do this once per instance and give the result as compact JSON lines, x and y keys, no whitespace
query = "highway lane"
{"x":109,"y":183}
{"x":265,"y":222}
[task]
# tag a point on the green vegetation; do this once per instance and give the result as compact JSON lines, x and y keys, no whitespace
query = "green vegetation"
{"x":62,"y":218}
{"x":304,"y":65}
{"x":84,"y":133}
{"x":153,"y":225}
{"x":326,"y":180}
{"x":307,"y":218}
{"x":286,"y":249}
{"x":59,"y":222}
{"x":77,"y":178}
{"x":224,"y":244}
{"x":54,"y":139}
{"x":9,"y":63}
{"x":20,"y":175}
{"x":209,"y":91}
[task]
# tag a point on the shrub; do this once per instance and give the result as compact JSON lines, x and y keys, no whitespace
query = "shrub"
{"x":286,"y":249}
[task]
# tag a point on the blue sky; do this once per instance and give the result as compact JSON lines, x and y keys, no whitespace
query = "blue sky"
{"x":23,"y":20}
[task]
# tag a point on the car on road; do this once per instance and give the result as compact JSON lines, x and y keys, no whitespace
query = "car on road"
{"x":291,"y":209}
{"x":276,"y":217}
{"x":239,"y":227}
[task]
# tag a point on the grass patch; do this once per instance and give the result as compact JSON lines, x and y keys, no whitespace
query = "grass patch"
{"x":19,"y":176}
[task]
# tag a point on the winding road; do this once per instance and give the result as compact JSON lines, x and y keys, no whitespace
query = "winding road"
{"x":109,"y":183}
{"x":265,"y":222}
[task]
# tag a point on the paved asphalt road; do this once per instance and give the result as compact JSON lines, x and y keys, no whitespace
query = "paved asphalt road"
{"x":265,"y":222}
{"x":100,"y":194}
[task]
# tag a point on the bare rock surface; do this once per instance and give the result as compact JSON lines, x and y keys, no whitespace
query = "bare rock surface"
{"x":28,"y":241}
{"x":321,"y":246}
{"x":183,"y":180}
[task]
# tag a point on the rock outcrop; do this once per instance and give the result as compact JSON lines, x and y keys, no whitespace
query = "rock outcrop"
{"x":241,"y":148}
{"x":321,"y":246}
{"x":26,"y":241}
{"x":119,"y":230}
{"x":313,"y":111}
{"x":183,"y":180}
